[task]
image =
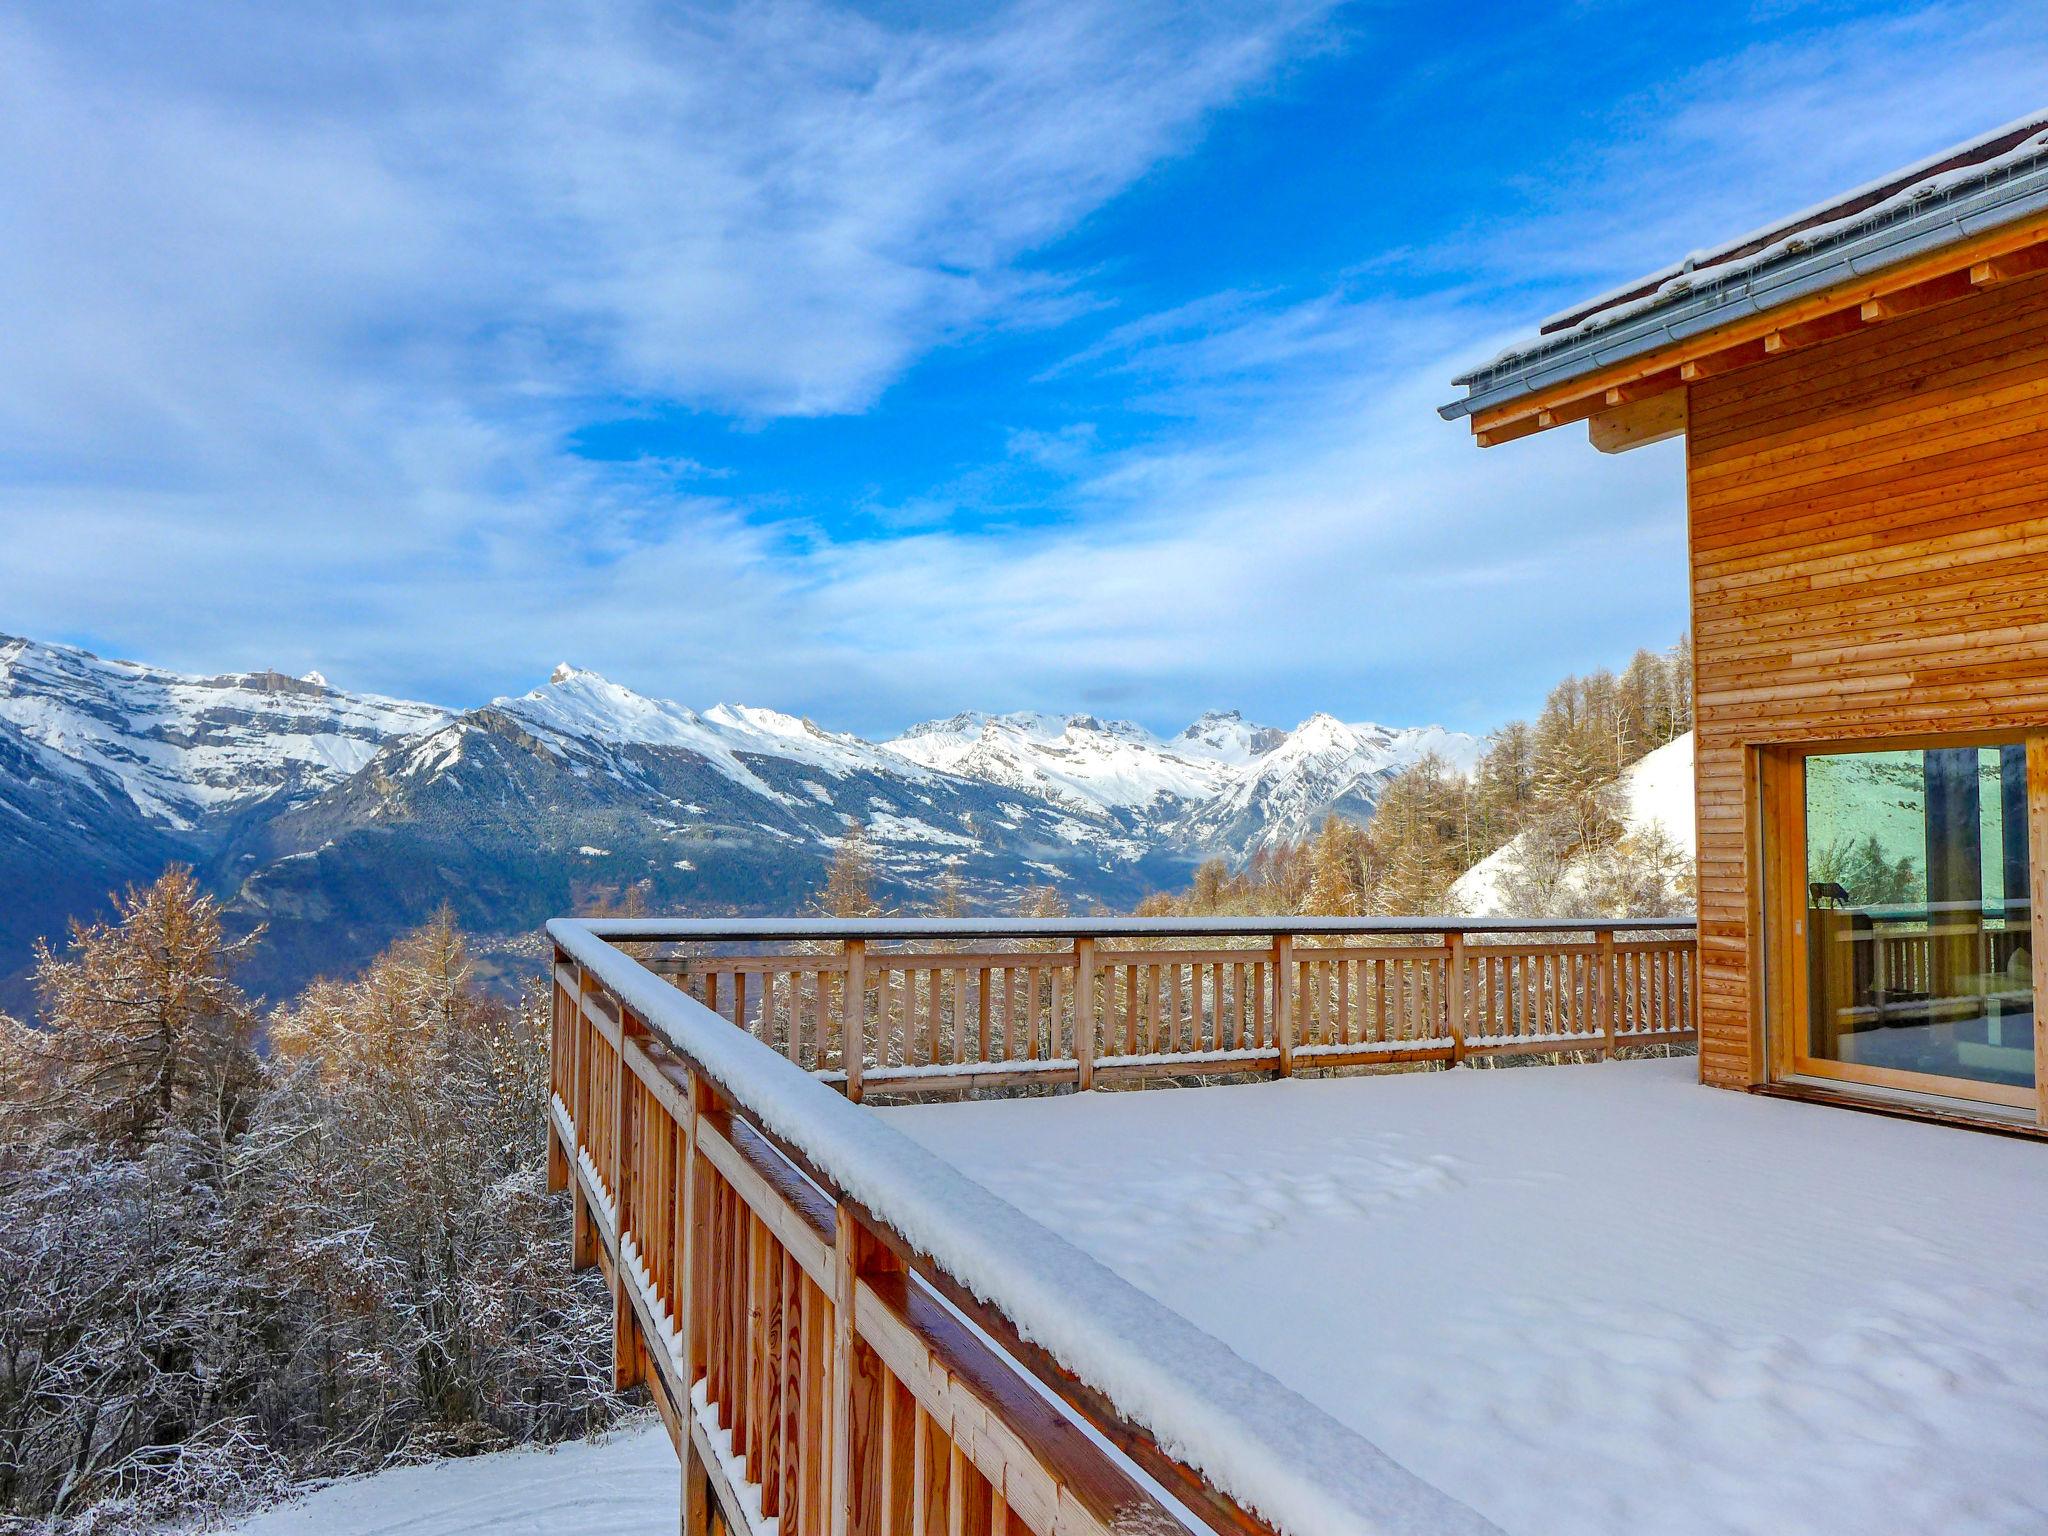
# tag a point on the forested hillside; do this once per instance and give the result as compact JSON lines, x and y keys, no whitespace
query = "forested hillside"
{"x":1552,"y":786}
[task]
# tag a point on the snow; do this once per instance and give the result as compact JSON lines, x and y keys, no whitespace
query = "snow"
{"x":182,"y":748}
{"x":1782,"y":237}
{"x":622,"y":1484}
{"x":884,"y":828}
{"x":1585,"y":1299}
{"x":577,"y":708}
{"x":1656,"y":791}
{"x":1219,"y":774}
{"x":185,"y":749}
{"x":1270,"y":1448}
{"x":1283,"y":793}
{"x":1077,"y":761}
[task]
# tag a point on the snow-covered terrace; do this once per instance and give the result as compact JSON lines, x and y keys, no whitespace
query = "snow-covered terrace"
{"x":1535,"y":1299}
{"x":1593,"y":1298}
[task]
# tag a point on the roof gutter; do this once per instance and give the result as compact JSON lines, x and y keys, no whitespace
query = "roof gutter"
{"x":1945,"y":219}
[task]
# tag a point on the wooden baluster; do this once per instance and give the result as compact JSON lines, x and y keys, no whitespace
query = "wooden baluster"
{"x":982,"y":988}
{"x":1012,"y":1046}
{"x":1341,"y":1033}
{"x":1084,"y":1012}
{"x":788,"y":1455}
{"x":865,"y":1480}
{"x":1031,"y":975}
{"x":693,"y":1215}
{"x":817,"y":1462}
{"x":1604,"y":999}
{"x":625,"y":1124}
{"x":1055,"y":1009}
{"x":1283,"y":1000}
{"x":853,"y":1016}
{"x":1258,"y":969}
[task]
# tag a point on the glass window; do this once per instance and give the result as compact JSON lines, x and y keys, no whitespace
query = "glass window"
{"x":1918,"y":935}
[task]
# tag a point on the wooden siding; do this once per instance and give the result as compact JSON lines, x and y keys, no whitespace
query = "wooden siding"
{"x":1869,"y":532}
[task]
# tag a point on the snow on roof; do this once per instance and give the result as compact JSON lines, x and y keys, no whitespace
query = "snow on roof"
{"x":1975,"y":160}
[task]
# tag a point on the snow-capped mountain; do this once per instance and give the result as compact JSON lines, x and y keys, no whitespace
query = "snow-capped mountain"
{"x":1073,"y":760}
{"x":1223,"y":785}
{"x":183,"y":750}
{"x":341,"y":819}
{"x":1281,"y":794}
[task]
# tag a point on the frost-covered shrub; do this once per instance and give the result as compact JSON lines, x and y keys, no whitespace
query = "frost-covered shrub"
{"x":220,"y":1274}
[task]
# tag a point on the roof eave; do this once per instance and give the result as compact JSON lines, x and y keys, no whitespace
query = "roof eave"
{"x":1948,"y":220}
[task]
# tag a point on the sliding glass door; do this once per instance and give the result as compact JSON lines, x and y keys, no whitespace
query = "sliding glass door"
{"x":1904,"y":956}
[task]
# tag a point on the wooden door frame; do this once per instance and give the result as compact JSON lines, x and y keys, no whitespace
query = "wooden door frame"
{"x":1779,"y":1003}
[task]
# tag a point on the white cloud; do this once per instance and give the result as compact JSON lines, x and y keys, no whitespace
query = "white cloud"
{"x":308,"y":307}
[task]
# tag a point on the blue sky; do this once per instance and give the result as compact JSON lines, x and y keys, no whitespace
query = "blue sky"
{"x":876,"y":364}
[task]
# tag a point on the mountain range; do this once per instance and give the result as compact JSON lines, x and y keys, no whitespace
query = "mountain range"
{"x":340,"y":819}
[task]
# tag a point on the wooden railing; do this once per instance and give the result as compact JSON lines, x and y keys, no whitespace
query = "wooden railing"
{"x":819,"y":1367}
{"x":944,"y":1007}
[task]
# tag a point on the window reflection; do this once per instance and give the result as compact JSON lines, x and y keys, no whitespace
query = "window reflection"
{"x":1918,"y":933}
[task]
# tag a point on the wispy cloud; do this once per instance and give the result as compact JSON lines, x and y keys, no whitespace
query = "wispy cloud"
{"x":311,"y":308}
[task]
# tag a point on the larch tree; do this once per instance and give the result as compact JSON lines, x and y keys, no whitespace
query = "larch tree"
{"x":144,"y":1029}
{"x":849,"y":889}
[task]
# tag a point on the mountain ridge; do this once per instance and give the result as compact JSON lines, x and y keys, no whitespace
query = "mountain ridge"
{"x":339,"y":819}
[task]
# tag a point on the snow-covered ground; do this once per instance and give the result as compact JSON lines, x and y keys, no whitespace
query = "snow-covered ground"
{"x":1586,"y":1299}
{"x":622,"y":1484}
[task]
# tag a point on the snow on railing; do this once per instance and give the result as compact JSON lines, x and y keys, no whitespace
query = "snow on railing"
{"x":866,"y":1332}
{"x":935,"y":1006}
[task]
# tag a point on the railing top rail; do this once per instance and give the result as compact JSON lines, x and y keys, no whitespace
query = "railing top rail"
{"x":1255,"y":1439}
{"x":757,"y":929}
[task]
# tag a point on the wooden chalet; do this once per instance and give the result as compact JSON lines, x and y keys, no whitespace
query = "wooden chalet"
{"x":1863,"y":392}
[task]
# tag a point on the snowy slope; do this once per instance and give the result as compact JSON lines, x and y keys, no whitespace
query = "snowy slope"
{"x":1656,"y":792}
{"x":1077,"y":760}
{"x":579,"y":709}
{"x":622,"y":1484}
{"x":1323,"y":765}
{"x":182,"y":749}
{"x":1222,"y":785}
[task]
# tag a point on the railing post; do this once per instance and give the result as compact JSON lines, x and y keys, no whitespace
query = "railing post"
{"x":1607,"y":992}
{"x":1283,"y":1000}
{"x":1454,"y":993}
{"x":853,"y":1017}
{"x":1084,"y":1011}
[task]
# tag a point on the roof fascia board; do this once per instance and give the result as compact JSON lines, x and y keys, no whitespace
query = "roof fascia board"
{"x":1984,"y":209}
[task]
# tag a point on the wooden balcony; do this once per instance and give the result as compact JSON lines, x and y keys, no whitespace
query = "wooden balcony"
{"x":846,"y":1336}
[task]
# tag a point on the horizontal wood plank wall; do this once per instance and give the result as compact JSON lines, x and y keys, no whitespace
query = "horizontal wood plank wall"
{"x":1869,"y":558}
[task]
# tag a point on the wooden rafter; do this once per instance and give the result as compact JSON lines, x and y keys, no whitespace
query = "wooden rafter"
{"x":1905,"y":301}
{"x":2004,"y":269}
{"x":1791,"y":338}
